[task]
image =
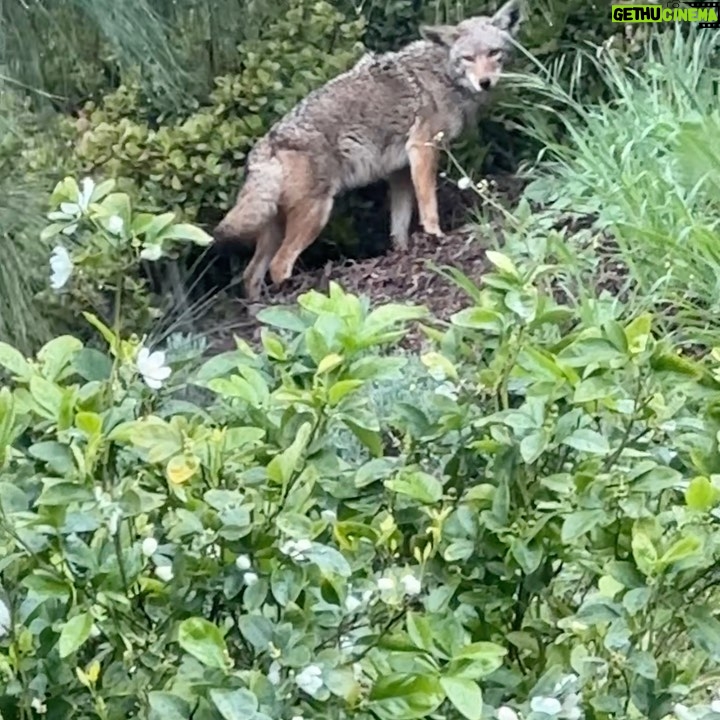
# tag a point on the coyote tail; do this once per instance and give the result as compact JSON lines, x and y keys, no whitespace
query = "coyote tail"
{"x":256,"y":204}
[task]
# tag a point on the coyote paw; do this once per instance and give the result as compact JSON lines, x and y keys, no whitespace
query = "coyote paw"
{"x":434,"y":230}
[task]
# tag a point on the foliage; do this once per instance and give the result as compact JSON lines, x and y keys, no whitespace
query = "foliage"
{"x":109,"y":241}
{"x":538,"y":533}
{"x":643,"y":164}
{"x":187,"y":162}
{"x":22,"y":270}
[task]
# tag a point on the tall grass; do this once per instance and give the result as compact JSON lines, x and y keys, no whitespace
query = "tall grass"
{"x":24,"y":264}
{"x":646,"y":162}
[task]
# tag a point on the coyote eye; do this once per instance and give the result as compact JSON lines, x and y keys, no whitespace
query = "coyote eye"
{"x":497,"y":53}
{"x":468,"y":58}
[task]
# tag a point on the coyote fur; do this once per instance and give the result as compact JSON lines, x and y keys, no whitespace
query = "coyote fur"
{"x":377,"y":121}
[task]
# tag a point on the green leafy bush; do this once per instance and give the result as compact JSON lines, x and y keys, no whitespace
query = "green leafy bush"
{"x":108,"y":241}
{"x":643,"y":164}
{"x":189,"y":162}
{"x":536,"y":535}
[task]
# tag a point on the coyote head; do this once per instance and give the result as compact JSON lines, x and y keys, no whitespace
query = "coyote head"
{"x":477,"y":46}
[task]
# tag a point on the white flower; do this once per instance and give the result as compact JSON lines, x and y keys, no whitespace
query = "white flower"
{"x":114,"y":521}
{"x":164,"y":572}
{"x":151,"y":252}
{"x":303,"y":546}
{"x":242,"y":562}
{"x":411,"y":585}
{"x":77,"y":208}
{"x":38,"y":706}
{"x":310,"y":679}
{"x":547,"y":705}
{"x":115,"y":225}
{"x":564,"y":682}
{"x":297,"y":717}
{"x":152,"y":367}
{"x":4,"y":618}
{"x":328,"y":516}
{"x":149,"y":546}
{"x":296,"y":549}
{"x":61,"y":265}
{"x":571,"y":709}
{"x":86,"y":191}
{"x":464,"y":183}
{"x":273,"y":675}
{"x":352,"y":603}
{"x":385,"y":583}
{"x":250,"y":578}
{"x":506,"y":713}
{"x":346,"y":643}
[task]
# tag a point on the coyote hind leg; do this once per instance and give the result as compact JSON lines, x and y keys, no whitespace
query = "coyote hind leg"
{"x":268,"y":242}
{"x":402,"y":201}
{"x":304,"y":222}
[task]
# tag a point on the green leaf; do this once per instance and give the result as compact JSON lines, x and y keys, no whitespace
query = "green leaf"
{"x":465,"y":695}
{"x":329,"y":363}
{"x":503,"y":263}
{"x":74,"y":633}
{"x":437,"y":361}
{"x":103,"y":329}
{"x":579,"y":523}
{"x":166,"y":706}
{"x":586,"y":440}
{"x":204,"y":641}
{"x":704,"y":630}
{"x":185,"y":231}
{"x":680,"y":550}
{"x":370,"y":438}
{"x":534,"y":445}
{"x":644,"y":553}
{"x":477,"y":660}
{"x":418,"y":485}
{"x":329,"y":560}
{"x":282,"y":467}
{"x":235,"y":704}
{"x":282,"y":318}
{"x":644,"y":664}
{"x":638,"y":332}
{"x":700,"y":494}
{"x":405,"y":696}
{"x":57,"y":354}
{"x":476,"y":318}
{"x":13,"y":361}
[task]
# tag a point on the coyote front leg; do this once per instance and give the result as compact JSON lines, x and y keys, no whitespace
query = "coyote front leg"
{"x":423,"y":168}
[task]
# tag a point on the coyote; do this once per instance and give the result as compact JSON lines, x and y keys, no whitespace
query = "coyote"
{"x":379,"y":120}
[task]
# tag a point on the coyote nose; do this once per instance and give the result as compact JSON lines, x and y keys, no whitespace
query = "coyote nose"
{"x":485,"y":84}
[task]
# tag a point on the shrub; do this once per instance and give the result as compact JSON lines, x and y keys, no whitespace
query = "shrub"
{"x":191,"y":162}
{"x":536,"y":534}
{"x":108,"y":242}
{"x":641,"y":163}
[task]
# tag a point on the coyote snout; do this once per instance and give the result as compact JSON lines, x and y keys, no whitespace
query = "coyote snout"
{"x":376,"y":121}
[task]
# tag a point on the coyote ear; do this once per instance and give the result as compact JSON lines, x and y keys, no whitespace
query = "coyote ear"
{"x":440,"y":34}
{"x":507,"y":18}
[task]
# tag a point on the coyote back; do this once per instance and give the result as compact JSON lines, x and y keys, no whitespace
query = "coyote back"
{"x":378,"y":120}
